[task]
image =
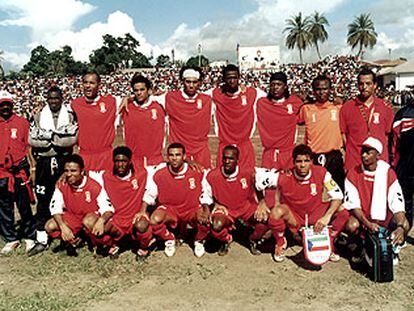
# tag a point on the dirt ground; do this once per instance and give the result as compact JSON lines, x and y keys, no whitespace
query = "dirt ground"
{"x":238,"y":281}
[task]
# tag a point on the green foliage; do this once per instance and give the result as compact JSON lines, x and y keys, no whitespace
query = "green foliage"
{"x":116,"y":53}
{"x":163,"y":61}
{"x":200,"y":61}
{"x":361,"y":32}
{"x":316,"y":28}
{"x":298,"y":35}
{"x":56,"y":63}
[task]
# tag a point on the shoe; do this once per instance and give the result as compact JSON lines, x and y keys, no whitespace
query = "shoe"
{"x":71,"y":250}
{"x":142,"y":255}
{"x":101,"y":251}
{"x":59,"y":248}
{"x":253,"y":248}
{"x":29,"y":244}
{"x":224,"y":249}
{"x":114,"y":252}
{"x":358,"y":257}
{"x":279,"y":254}
{"x":169,"y":248}
{"x":9,"y":247}
{"x":334,"y":257}
{"x":199,"y":249}
{"x":395,"y":260}
{"x":37,"y":249}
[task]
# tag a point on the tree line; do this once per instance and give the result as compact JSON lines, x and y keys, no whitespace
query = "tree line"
{"x":118,"y":53}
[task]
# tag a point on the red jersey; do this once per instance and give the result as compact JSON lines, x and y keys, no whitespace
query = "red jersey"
{"x":125,"y":194}
{"x":178,"y":191}
{"x":235,"y":192}
{"x":189,"y":120}
{"x":89,"y":197}
{"x":376,"y":123}
{"x":14,"y":145}
{"x":304,"y":196}
{"x":96,"y":123}
{"x":359,"y":189}
{"x":277,"y":122}
{"x":144,"y":128}
{"x":235,"y":116}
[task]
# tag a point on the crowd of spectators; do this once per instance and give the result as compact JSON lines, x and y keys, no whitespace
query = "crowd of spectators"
{"x":30,"y":93}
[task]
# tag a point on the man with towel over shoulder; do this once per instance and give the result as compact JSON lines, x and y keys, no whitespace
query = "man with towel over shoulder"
{"x":53,"y":133}
{"x":374,"y":197}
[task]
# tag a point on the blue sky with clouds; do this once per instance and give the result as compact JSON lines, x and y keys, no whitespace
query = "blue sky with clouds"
{"x":161,"y":25}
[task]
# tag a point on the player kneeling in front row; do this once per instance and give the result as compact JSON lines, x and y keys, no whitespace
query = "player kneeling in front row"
{"x":231,"y":192}
{"x":374,"y":197}
{"x":125,"y":186}
{"x":301,"y":202}
{"x":175,"y":189}
{"x":76,"y":197}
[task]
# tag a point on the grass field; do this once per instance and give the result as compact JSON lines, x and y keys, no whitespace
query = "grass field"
{"x":238,"y":281}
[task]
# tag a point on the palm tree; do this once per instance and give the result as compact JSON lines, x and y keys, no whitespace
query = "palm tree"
{"x":362,"y":32}
{"x":316,"y":28}
{"x":1,"y":66}
{"x":298,"y":35}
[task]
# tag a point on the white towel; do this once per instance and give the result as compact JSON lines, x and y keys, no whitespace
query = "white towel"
{"x":46,"y":118}
{"x":379,"y":193}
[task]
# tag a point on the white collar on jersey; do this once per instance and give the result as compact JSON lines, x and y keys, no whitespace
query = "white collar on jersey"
{"x":126,"y":177}
{"x":82,"y":184}
{"x":95,"y":101}
{"x":302,"y":179}
{"x":368,"y":173}
{"x":231,"y":177}
{"x":185,"y":96}
{"x":181,"y":173}
{"x":145,"y":105}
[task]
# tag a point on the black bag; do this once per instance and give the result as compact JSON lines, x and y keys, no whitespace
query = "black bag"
{"x":379,"y":255}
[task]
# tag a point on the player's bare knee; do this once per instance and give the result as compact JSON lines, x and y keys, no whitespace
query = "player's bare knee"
{"x":278,"y":211}
{"x":89,"y":221}
{"x":352,"y":225}
{"x":51,"y":226}
{"x":217,"y":224}
{"x":157,"y":218}
{"x":141,"y":226}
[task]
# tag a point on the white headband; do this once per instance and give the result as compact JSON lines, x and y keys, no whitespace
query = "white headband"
{"x":191,"y":73}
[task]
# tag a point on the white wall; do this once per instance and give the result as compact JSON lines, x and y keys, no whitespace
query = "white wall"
{"x":402,"y":80}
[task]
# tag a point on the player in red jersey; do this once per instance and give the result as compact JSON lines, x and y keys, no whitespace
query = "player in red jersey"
{"x":15,"y":177}
{"x":277,"y":118}
{"x":96,"y":116}
{"x":175,"y":189}
{"x":144,"y":124}
{"x":125,"y":186}
{"x":301,"y":197}
{"x":235,"y":116}
{"x":364,"y":116}
{"x":230,"y":190}
{"x":374,"y":197}
{"x":189,"y":116}
{"x":72,"y":201}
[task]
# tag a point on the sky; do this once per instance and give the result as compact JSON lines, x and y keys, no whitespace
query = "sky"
{"x":218,"y":25}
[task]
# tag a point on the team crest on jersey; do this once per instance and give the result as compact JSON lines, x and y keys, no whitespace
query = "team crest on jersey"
{"x":243,"y":182}
{"x":333,"y":115}
{"x":154,"y":115}
{"x":13,"y":133}
{"x":199,"y":104}
{"x":244,"y":100}
{"x":192,"y":183}
{"x":134,"y":184}
{"x":313,"y":189}
{"x":289,"y":108}
{"x":102,"y":107}
{"x":376,"y":118}
{"x":88,"y":197}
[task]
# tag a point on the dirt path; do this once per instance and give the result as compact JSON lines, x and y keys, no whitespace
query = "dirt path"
{"x":240,"y":281}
